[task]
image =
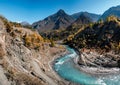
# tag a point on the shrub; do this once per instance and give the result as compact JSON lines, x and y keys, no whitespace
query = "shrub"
{"x":52,"y":43}
{"x":7,"y":24}
{"x":15,"y":24}
{"x":33,"y":40}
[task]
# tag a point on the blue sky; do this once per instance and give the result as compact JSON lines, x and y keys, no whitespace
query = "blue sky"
{"x":34,"y":10}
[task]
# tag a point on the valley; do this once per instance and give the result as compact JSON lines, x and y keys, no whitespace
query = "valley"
{"x":78,"y":49}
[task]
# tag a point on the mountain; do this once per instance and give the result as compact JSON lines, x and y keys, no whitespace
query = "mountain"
{"x":101,"y":35}
{"x":59,"y":20}
{"x":24,"y":23}
{"x":70,"y":30}
{"x":94,"y":17}
{"x":83,"y":19}
{"x":111,"y":11}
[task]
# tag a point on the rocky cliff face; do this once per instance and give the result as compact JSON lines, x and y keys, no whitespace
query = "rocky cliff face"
{"x":21,"y":64}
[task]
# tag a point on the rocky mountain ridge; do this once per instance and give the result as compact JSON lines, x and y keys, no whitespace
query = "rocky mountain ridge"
{"x":93,"y":16}
{"x":59,"y":20}
{"x":111,"y":11}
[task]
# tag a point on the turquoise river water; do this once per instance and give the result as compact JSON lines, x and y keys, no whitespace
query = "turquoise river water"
{"x":65,"y":67}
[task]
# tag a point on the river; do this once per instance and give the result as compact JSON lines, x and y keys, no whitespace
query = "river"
{"x":66,"y":68}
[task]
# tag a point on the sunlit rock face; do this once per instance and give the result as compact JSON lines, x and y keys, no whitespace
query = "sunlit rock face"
{"x":2,"y":45}
{"x":2,"y":39}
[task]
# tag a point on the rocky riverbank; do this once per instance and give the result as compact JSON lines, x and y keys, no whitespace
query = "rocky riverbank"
{"x":94,"y":63}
